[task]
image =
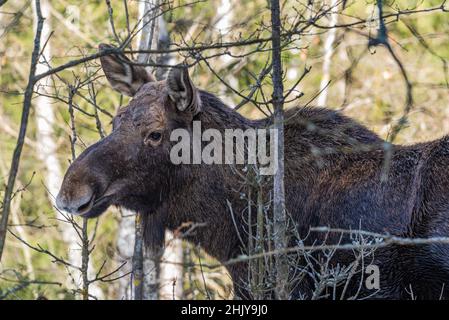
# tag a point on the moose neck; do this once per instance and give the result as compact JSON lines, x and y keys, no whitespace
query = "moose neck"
{"x":203,"y":202}
{"x":199,"y":194}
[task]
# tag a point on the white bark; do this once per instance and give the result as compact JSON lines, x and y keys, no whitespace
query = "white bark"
{"x":328,"y":52}
{"x":125,"y":247}
{"x":171,"y":273}
{"x":223,"y":20}
{"x":47,"y":150}
{"x":149,"y":28}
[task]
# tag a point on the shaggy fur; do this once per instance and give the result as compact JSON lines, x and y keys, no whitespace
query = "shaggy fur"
{"x":334,"y":176}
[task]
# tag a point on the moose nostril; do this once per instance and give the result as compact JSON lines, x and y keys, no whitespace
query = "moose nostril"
{"x":84,"y":206}
{"x":74,"y":206}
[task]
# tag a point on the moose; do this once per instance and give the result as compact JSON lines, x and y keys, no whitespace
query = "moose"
{"x":335,"y":176}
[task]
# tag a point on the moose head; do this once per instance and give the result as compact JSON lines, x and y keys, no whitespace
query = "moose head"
{"x":129,"y":167}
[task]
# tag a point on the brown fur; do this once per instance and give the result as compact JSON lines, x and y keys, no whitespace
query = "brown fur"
{"x":333,"y":177}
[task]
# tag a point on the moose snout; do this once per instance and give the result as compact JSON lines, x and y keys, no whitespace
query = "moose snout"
{"x":75,"y":203}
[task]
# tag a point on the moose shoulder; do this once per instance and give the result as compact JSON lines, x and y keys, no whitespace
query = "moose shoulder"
{"x":335,"y":175}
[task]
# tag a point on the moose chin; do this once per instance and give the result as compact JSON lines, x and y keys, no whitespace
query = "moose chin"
{"x":335,"y":176}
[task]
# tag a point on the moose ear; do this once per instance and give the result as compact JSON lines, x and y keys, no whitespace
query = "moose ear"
{"x":182,"y":91}
{"x":123,"y":76}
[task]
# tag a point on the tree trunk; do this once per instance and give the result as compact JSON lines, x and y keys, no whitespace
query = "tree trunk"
{"x":171,"y":274}
{"x":328,"y":52}
{"x":26,"y":106}
{"x":46,"y":150}
{"x":279,"y":214}
{"x":223,"y":20}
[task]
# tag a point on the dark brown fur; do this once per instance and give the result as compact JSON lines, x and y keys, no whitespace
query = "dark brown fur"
{"x":333,"y":177}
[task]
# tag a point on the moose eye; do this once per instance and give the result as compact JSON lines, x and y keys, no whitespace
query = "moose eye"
{"x":155,"y":136}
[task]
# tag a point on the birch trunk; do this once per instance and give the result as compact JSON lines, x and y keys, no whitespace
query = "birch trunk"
{"x":46,"y":150}
{"x":223,"y":20}
{"x":125,"y":248}
{"x":328,"y":52}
